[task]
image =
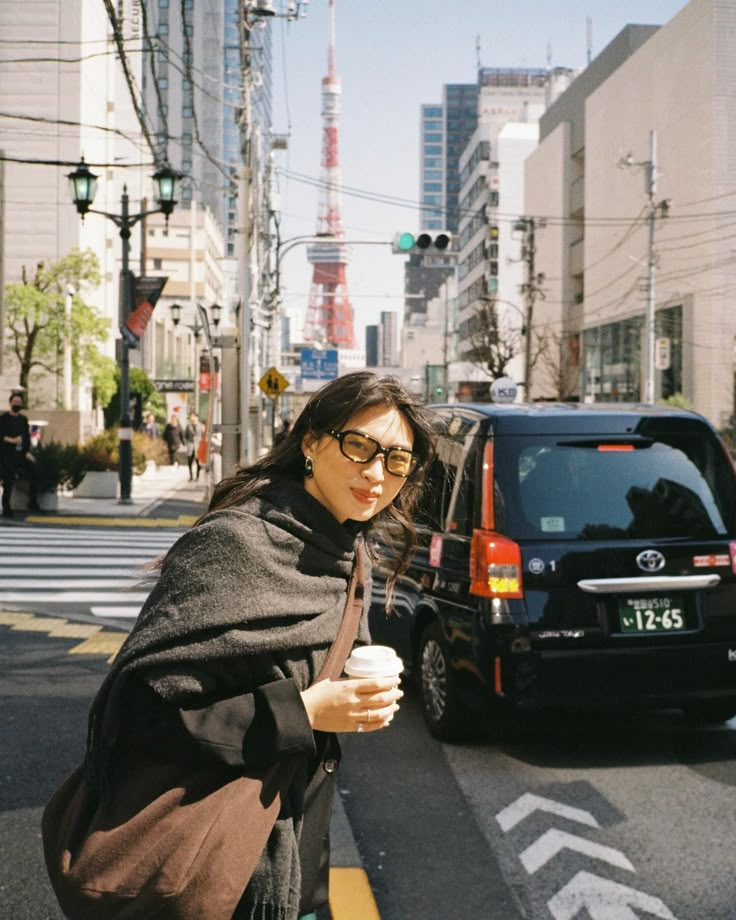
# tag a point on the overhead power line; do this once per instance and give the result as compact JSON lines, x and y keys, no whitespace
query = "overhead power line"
{"x":117,"y":35}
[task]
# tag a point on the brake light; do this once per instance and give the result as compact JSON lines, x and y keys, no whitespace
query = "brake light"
{"x":611,"y":447}
{"x":495,"y":566}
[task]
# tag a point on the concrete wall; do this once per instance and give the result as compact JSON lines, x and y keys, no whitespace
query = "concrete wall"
{"x":546,"y":190}
{"x":690,"y":101}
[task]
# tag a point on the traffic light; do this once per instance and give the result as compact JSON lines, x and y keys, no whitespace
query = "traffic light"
{"x":428,"y":242}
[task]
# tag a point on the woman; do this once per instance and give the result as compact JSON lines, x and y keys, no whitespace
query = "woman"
{"x":221,"y":662}
{"x":192,"y":436}
{"x":174,"y":438}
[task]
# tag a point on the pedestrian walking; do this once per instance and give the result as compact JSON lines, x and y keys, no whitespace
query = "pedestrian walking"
{"x":219,"y":669}
{"x":282,"y":434}
{"x":192,"y":436}
{"x":16,"y":457}
{"x":150,"y":426}
{"x":174,"y":438}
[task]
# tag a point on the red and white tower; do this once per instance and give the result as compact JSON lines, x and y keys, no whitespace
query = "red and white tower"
{"x":329,"y":313}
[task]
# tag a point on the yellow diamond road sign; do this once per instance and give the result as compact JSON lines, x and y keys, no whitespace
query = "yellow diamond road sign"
{"x":273,"y":383}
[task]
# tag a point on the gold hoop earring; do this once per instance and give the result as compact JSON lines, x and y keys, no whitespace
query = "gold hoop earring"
{"x":308,"y":467}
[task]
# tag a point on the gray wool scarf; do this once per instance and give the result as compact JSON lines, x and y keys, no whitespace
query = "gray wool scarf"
{"x":266,"y":578}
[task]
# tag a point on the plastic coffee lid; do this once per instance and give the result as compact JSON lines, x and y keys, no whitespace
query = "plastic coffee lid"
{"x":374,"y":661}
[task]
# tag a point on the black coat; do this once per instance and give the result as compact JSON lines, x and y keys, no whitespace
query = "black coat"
{"x":238,"y":624}
{"x":174,"y":436}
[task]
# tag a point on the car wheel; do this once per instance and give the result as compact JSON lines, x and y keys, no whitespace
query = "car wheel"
{"x":710,"y":710}
{"x":443,"y":711}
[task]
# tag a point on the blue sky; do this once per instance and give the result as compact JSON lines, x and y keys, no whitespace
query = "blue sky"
{"x":392,"y":56}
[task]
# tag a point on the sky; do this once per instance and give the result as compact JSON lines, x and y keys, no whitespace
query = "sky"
{"x":393,"y":56}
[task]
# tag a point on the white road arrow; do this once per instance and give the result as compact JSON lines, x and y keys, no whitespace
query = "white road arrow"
{"x":552,"y":841}
{"x":604,"y":900}
{"x":529,"y":803}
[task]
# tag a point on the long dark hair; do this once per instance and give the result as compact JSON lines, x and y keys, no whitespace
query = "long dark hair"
{"x":328,"y":410}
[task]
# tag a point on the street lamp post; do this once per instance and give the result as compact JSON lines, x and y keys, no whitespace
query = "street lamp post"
{"x":83,"y":186}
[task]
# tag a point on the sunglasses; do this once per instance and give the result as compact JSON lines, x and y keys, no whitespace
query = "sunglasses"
{"x":361,"y":449}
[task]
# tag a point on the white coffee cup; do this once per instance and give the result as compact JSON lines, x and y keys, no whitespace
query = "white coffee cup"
{"x":374,"y":661}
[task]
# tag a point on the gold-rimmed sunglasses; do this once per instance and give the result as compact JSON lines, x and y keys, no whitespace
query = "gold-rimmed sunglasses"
{"x":360,"y":448}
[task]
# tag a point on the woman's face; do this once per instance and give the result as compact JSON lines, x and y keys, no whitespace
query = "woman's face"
{"x":357,"y":491}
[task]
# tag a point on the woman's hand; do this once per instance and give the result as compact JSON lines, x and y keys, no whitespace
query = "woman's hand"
{"x":343,"y":705}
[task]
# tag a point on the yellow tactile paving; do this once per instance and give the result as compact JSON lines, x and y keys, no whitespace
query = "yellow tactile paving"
{"x":184,"y":520}
{"x":104,"y":643}
{"x":10,"y":618}
{"x":351,"y":897}
{"x":36,"y":624}
{"x":97,"y":641}
{"x":74,"y":630}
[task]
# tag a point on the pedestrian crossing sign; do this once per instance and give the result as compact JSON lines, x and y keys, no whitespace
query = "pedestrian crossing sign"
{"x":273,"y":383}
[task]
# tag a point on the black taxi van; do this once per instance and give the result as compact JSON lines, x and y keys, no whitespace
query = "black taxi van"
{"x":570,"y":555}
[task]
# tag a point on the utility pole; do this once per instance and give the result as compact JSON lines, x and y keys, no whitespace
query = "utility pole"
{"x":650,"y":166}
{"x":531,"y":289}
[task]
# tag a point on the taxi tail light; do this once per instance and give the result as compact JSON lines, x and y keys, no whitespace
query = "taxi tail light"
{"x":495,"y":566}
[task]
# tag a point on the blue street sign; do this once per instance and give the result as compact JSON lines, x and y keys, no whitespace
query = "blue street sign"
{"x":319,"y":364}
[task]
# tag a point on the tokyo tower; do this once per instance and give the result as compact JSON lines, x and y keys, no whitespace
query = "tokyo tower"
{"x":329,"y":313}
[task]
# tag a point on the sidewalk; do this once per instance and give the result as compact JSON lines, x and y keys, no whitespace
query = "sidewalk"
{"x":164,"y":497}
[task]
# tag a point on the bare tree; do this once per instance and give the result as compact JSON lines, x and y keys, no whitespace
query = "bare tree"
{"x":493,"y":343}
{"x":557,"y":354}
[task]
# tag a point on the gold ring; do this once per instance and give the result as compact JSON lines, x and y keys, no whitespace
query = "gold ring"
{"x":360,"y":727}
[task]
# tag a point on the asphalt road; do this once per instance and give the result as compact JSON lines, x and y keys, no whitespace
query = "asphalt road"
{"x":44,"y":699}
{"x":623,"y":817}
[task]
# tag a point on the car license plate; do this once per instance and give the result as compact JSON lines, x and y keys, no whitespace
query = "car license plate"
{"x":652,"y":614}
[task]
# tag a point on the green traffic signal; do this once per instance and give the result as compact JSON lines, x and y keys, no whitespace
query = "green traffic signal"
{"x":424,"y":242}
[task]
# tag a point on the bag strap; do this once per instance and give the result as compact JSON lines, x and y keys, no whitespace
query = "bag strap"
{"x":343,"y":642}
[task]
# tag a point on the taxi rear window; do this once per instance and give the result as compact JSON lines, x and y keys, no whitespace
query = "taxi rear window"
{"x":657,"y":487}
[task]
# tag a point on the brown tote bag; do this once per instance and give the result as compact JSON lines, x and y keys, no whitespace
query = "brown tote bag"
{"x":177,"y":843}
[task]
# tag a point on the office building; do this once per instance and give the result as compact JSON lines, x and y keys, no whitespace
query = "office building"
{"x":591,"y":172}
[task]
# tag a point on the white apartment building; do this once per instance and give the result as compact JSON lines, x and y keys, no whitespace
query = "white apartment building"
{"x":678,"y":84}
{"x":491,"y":199}
{"x":189,"y":252}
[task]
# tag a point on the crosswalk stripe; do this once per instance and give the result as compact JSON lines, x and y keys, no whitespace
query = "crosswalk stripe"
{"x":117,"y":611}
{"x":101,"y":556}
{"x":52,"y":571}
{"x":89,"y":569}
{"x":65,"y":597}
{"x":69,"y":583}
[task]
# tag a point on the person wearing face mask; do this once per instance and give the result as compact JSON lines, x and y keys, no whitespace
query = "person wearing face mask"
{"x":15,"y":453}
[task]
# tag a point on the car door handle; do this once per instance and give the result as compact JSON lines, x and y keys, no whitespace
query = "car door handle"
{"x":648,"y":583}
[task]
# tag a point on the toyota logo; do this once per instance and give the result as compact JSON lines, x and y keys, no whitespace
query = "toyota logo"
{"x":651,"y":560}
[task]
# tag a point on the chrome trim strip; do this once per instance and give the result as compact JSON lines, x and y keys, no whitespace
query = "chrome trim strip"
{"x":648,"y":583}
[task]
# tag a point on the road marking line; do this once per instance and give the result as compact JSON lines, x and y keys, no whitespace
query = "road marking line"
{"x":104,"y":643}
{"x":552,"y":841}
{"x":15,"y":583}
{"x":116,"y":611}
{"x":7,"y":618}
{"x":528,"y":803}
{"x":66,"y":630}
{"x":90,"y":570}
{"x":604,"y":900}
{"x":351,"y":897}
{"x":69,"y":597}
{"x":184,"y":520}
{"x":36,"y":624}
